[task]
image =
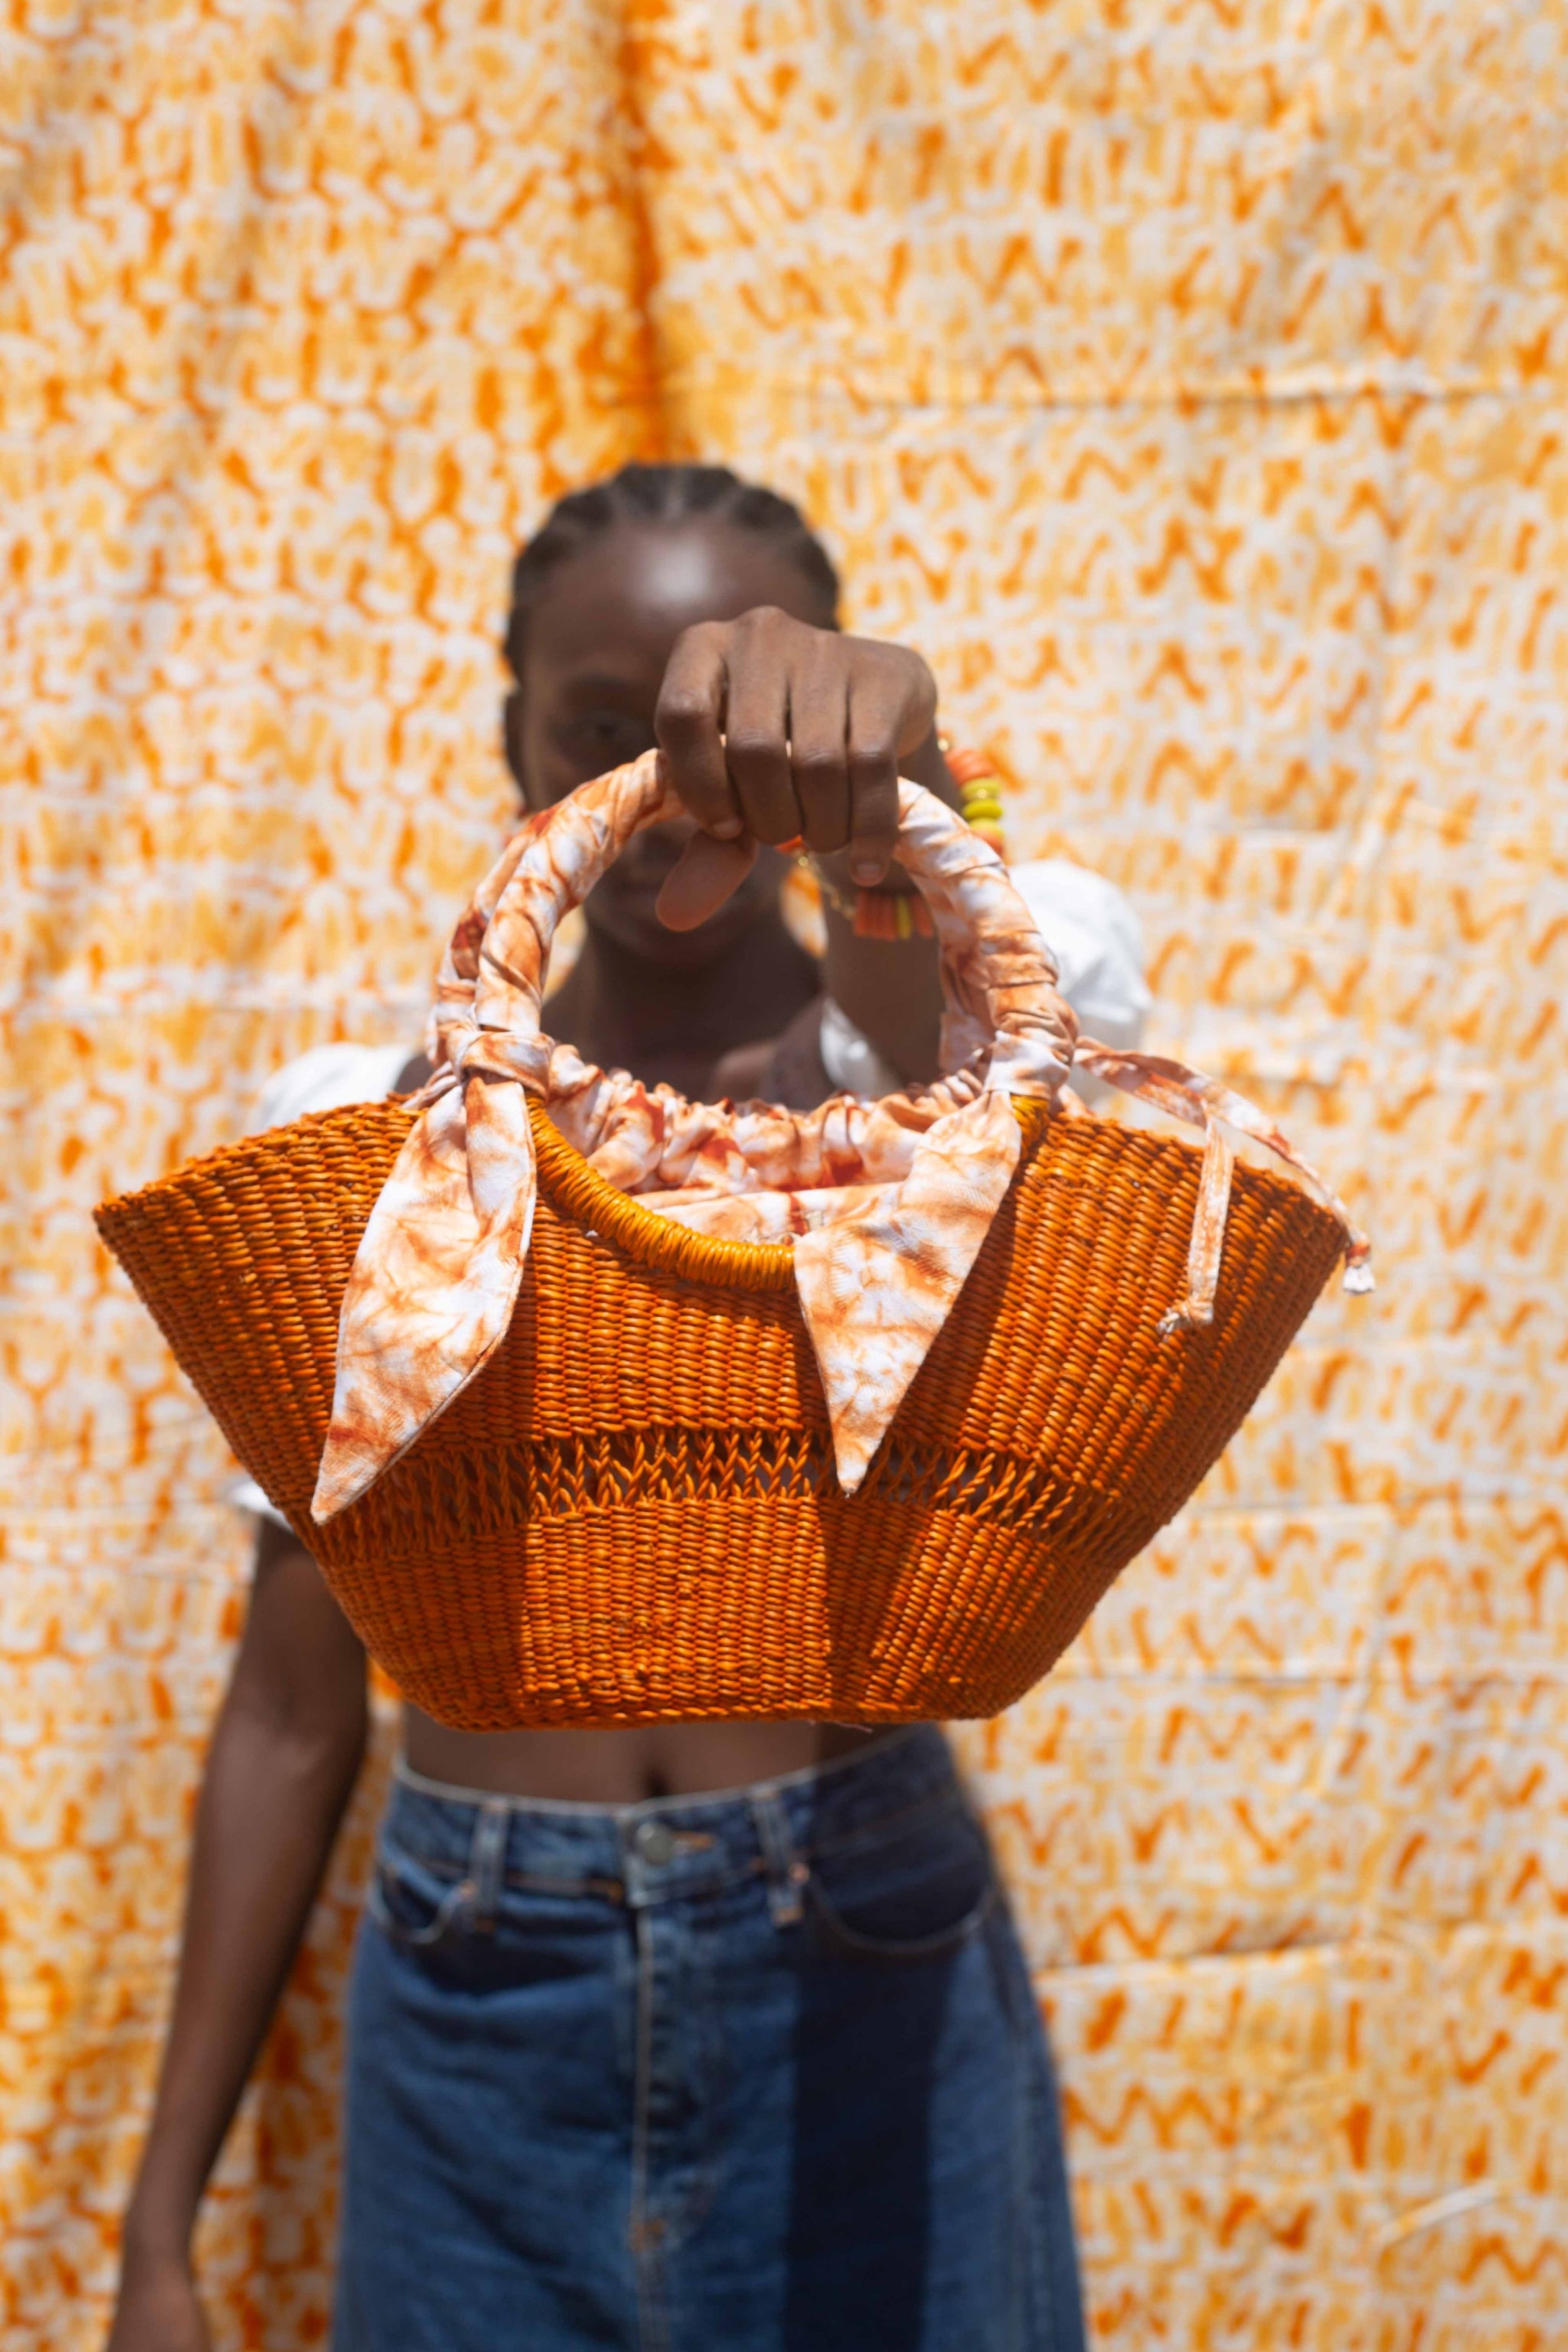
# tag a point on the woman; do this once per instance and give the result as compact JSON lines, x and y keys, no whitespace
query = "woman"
{"x":709,"y":2035}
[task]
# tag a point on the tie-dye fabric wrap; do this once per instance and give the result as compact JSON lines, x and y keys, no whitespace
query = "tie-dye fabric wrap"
{"x":886,"y":1203}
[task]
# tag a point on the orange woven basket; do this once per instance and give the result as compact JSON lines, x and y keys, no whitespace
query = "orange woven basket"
{"x":631,"y":1513}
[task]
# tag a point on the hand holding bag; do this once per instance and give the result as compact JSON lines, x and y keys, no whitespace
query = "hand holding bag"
{"x":597,"y":1406}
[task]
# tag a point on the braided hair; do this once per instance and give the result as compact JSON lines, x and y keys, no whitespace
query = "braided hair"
{"x":665,"y":494}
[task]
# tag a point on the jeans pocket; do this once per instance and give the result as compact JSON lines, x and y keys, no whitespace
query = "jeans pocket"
{"x":918,"y":1892}
{"x":410,"y":1904}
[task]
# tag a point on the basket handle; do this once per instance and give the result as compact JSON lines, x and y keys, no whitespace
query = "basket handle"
{"x":998,"y":984}
{"x":998,"y":975}
{"x":437,"y":1272}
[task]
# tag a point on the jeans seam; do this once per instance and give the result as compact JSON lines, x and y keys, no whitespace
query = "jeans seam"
{"x":392,"y":1856}
{"x":487,"y":1867}
{"x":519,"y":1882}
{"x":786,"y":1873}
{"x":894,"y":1953}
{"x":415,"y":1938}
{"x":871,"y":1832}
{"x":647,"y":2263}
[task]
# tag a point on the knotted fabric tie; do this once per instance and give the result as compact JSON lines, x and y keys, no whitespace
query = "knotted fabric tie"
{"x":1203,"y":1102}
{"x":887,"y":1204}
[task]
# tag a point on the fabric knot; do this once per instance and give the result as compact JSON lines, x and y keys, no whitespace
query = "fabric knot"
{"x":885,"y":1204}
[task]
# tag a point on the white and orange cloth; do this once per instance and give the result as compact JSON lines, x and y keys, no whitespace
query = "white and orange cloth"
{"x":886,"y":1204}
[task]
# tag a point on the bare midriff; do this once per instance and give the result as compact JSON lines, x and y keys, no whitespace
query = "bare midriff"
{"x":623,"y":1767}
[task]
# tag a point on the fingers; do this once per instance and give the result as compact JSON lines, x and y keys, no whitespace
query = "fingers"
{"x":877,"y":721}
{"x":701,"y":879}
{"x":760,"y":665}
{"x":771,"y":728}
{"x":854,"y":711}
{"x":819,"y":730}
{"x":688,"y":721}
{"x":722,"y":723}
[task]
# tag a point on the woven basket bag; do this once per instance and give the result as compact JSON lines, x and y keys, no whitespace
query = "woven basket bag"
{"x":631,"y":1513}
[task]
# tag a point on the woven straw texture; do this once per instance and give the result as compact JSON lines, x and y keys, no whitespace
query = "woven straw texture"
{"x":631,"y":1513}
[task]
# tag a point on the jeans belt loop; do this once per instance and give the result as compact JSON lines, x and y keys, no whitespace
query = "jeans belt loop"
{"x":486,"y":1864}
{"x":787,"y":1874}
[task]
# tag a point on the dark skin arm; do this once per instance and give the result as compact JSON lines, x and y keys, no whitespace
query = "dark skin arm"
{"x":282,"y":1766}
{"x":291,"y":1736}
{"x":891,"y":989}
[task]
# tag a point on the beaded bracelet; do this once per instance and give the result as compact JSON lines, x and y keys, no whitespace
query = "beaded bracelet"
{"x":979,"y":794}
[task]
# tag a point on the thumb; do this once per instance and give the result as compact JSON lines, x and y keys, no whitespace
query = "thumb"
{"x":699,"y":884}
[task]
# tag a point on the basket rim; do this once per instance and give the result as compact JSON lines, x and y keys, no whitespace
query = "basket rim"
{"x":592,"y":1202}
{"x":588,"y":1200}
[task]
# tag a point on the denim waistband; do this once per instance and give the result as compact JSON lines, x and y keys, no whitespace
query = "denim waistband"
{"x":670,"y":1846}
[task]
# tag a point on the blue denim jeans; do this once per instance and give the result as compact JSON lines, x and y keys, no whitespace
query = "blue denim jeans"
{"x":759,"y":2072}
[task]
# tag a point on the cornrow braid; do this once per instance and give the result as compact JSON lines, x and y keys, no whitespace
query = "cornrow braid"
{"x":663,"y":494}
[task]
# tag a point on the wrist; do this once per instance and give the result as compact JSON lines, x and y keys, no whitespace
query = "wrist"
{"x":157,"y":2234}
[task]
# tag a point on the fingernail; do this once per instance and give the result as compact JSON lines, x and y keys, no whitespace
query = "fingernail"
{"x":726,"y":828}
{"x":867,"y":872}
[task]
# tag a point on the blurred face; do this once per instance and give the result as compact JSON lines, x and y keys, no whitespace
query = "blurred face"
{"x":597,"y":638}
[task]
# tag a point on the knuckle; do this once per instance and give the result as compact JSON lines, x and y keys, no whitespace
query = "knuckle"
{"x":752,"y":746}
{"x":699,"y":637}
{"x":872,"y":773}
{"x":819,"y":770}
{"x":683,"y":709}
{"x":903,"y":663}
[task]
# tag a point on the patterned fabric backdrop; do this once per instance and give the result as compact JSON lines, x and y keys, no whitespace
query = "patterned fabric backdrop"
{"x":1186,"y":378}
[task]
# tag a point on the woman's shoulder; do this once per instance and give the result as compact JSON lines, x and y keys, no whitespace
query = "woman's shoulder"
{"x":326,"y":1078}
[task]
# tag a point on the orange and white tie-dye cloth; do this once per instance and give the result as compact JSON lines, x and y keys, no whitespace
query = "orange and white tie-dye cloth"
{"x":886,"y":1204}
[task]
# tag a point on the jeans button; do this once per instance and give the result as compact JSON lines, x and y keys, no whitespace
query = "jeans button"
{"x":655,"y":1843}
